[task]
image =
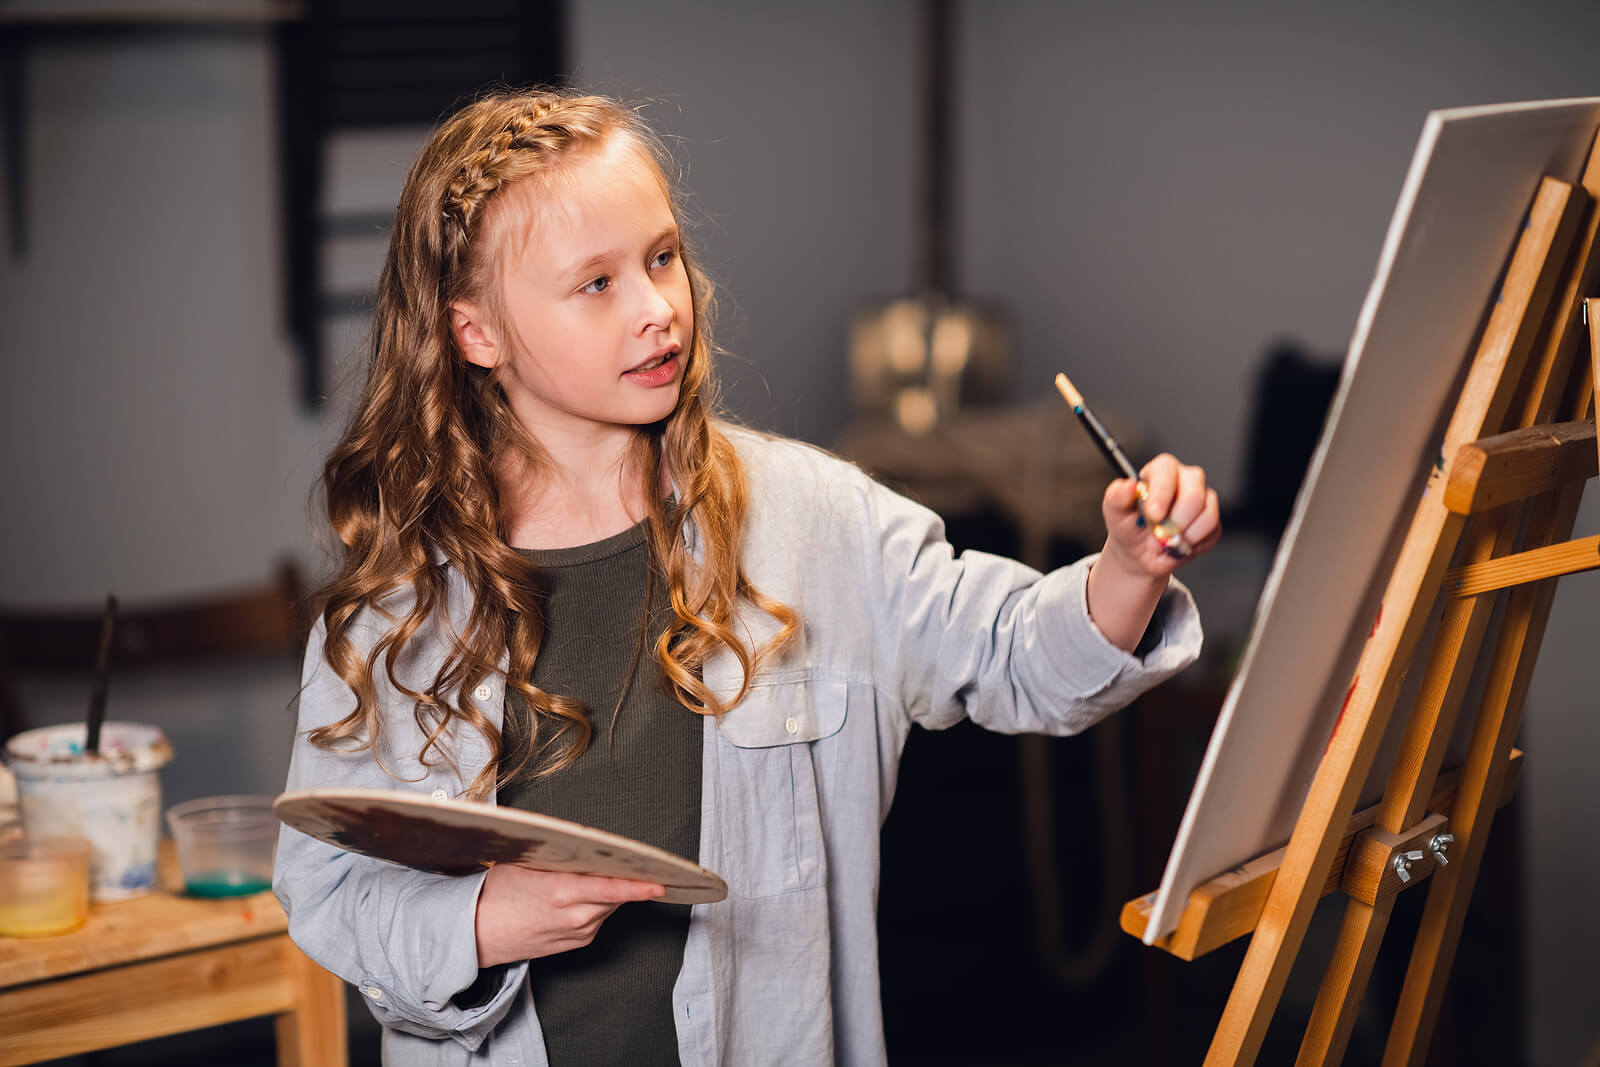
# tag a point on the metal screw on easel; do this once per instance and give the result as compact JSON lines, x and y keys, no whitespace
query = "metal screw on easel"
{"x":1439,"y":846}
{"x":1403,"y":862}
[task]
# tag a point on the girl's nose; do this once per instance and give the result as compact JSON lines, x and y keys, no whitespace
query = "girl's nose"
{"x":657,"y":312}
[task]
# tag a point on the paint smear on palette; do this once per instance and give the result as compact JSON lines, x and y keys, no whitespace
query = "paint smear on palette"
{"x":416,"y":841}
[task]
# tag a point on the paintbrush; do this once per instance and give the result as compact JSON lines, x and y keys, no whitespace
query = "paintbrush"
{"x":102,"y":667}
{"x":1166,"y":531}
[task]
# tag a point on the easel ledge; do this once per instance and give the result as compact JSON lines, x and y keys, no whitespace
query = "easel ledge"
{"x":1229,"y":906}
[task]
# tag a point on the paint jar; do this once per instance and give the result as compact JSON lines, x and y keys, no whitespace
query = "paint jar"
{"x":225,"y":844}
{"x":44,"y":885}
{"x":113,"y":798}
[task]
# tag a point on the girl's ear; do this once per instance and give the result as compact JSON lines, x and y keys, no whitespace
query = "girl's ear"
{"x":470,"y":326}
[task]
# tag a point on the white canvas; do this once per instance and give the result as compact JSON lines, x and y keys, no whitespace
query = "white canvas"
{"x":1463,"y":202}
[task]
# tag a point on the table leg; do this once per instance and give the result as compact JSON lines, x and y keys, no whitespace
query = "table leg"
{"x":313,"y":1033}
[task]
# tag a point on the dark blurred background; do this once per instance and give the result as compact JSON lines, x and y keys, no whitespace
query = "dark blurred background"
{"x":1180,"y":205}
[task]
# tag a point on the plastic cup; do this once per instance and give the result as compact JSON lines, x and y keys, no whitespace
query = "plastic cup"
{"x":225,"y":844}
{"x":113,"y":798}
{"x":44,"y":885}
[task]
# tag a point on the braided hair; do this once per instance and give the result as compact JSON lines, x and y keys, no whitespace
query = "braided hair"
{"x":415,"y":474}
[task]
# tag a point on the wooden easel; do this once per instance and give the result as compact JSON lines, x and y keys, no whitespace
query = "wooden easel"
{"x":1497,"y":515}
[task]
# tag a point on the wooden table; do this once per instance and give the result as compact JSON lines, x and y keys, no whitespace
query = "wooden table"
{"x":163,"y":964}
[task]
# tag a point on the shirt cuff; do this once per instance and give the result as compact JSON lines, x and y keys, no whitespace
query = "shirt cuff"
{"x":1094,"y":669}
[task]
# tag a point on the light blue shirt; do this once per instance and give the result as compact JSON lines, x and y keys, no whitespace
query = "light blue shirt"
{"x":797,"y":778}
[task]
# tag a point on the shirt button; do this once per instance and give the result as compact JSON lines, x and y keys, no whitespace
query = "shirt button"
{"x":440,"y":794}
{"x":374,"y":992}
{"x":483,"y":692}
{"x":791,"y":724}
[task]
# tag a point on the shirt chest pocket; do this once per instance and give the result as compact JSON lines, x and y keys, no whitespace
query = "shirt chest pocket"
{"x":769,"y":805}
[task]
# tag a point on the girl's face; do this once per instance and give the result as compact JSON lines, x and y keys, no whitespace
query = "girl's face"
{"x":596,"y":303}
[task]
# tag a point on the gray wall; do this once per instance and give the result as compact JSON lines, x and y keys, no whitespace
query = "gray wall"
{"x":795,"y":131}
{"x":1154,"y":194}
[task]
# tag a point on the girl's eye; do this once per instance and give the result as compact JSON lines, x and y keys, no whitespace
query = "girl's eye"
{"x":663,"y":258}
{"x":599,"y":285}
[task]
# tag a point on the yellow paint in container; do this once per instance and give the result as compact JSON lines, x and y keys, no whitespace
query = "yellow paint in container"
{"x":44,"y":885}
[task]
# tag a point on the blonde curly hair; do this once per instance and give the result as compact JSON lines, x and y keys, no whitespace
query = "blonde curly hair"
{"x":414,"y":475}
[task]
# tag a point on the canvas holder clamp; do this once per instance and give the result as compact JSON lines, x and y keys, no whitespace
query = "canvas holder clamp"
{"x":1381,"y":864}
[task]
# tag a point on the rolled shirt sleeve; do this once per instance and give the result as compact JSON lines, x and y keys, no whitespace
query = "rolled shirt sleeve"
{"x":986,"y":637}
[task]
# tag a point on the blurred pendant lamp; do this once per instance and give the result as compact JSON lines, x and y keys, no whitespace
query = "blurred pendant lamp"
{"x":918,"y":360}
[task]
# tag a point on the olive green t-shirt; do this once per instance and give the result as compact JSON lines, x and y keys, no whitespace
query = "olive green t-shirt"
{"x":610,"y":1002}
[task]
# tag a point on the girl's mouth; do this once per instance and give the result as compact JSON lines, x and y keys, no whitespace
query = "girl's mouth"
{"x":661,"y":370}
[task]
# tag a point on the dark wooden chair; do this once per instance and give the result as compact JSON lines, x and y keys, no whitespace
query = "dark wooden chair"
{"x":269,"y":618}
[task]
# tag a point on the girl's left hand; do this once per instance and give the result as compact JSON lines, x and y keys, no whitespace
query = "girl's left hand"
{"x":1172,"y":490}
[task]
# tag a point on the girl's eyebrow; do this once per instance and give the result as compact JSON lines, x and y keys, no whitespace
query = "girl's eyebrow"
{"x":600,"y":259}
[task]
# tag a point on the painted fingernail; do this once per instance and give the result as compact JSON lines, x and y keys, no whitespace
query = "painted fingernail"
{"x":1140,"y":521}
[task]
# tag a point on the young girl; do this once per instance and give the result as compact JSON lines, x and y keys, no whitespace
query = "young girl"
{"x":568,"y":587}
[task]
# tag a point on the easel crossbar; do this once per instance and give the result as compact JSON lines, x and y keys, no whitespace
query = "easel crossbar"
{"x":1551,"y":561}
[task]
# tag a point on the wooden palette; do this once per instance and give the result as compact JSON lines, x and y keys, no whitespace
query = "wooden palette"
{"x":462,"y":836}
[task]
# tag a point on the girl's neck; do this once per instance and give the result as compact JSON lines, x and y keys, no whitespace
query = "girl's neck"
{"x":580,"y":493}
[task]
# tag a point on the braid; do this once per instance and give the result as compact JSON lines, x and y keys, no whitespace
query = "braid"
{"x":485,"y":171}
{"x":533,"y":132}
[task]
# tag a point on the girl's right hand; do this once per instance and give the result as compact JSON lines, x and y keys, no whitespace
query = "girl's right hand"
{"x":524,"y":914}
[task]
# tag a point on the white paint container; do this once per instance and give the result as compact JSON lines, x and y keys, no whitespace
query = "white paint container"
{"x":112,"y":798}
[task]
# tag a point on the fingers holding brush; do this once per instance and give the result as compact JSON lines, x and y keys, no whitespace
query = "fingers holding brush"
{"x":1156,"y":520}
{"x":1157,"y":517}
{"x":1203,"y":530}
{"x":1166,"y":517}
{"x":1178,"y":503}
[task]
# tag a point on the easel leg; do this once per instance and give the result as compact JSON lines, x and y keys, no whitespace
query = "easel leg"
{"x":1522,"y":632}
{"x":1428,"y":729}
{"x":1349,"y":970}
{"x":1332,"y":798}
